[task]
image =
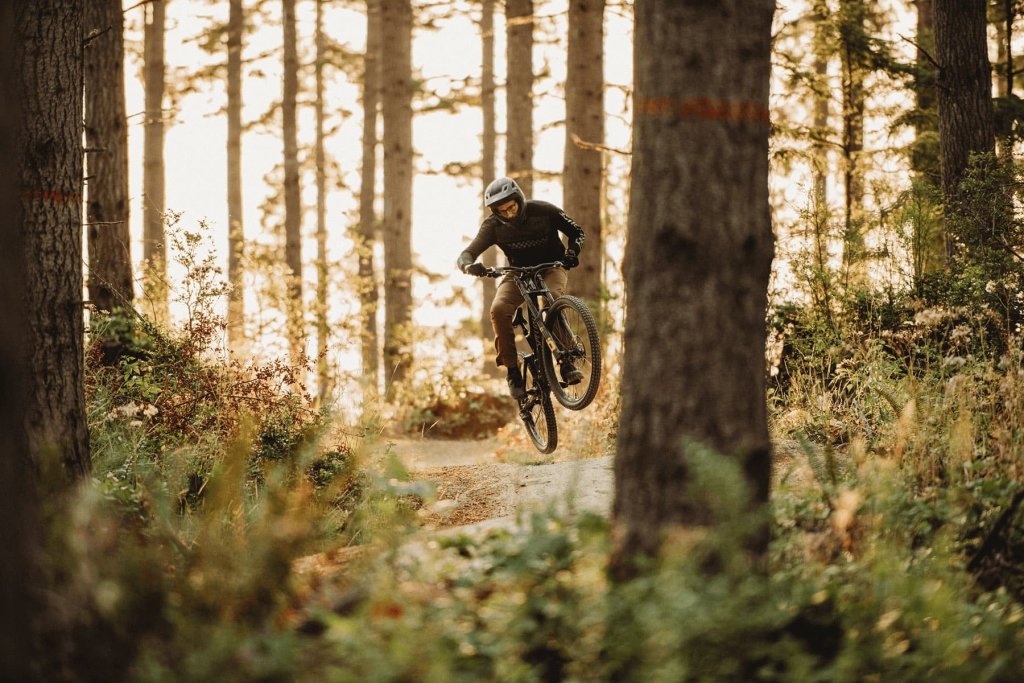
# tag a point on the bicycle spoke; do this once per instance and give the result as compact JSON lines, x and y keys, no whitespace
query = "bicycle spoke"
{"x":574,"y":330}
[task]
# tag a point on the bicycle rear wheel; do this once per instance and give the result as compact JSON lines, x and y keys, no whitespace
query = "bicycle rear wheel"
{"x":574,"y":329}
{"x":536,"y":410}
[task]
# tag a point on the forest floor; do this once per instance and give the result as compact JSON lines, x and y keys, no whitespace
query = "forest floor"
{"x":491,"y":483}
{"x":482,"y":484}
{"x":502,"y":477}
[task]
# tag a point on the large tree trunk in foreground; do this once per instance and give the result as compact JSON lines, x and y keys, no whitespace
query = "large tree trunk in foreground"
{"x":396,"y":24}
{"x":106,"y":134}
{"x":367,"y":236}
{"x":18,"y":501}
{"x":584,"y":128}
{"x":697,"y":264}
{"x":154,"y":203}
{"x":519,"y":93}
{"x":236,"y":229}
{"x":50,"y":147}
{"x":964,"y":90}
{"x":292,"y":192}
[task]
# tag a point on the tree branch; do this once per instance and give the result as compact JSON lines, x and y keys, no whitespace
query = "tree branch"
{"x":593,"y":146}
{"x":923,"y":51}
{"x":138,"y":4}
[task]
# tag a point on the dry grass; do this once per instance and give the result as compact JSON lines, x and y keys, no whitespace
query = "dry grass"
{"x":468,"y":494}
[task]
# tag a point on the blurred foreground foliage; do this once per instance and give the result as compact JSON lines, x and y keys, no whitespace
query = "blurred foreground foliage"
{"x":226,"y":535}
{"x":198,"y":555}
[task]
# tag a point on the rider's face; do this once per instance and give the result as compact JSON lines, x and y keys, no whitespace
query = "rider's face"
{"x":509,"y":209}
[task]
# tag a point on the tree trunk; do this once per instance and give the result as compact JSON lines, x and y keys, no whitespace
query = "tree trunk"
{"x":51,"y":181}
{"x":584,"y":127}
{"x":292,"y":192}
{"x":1004,"y":58}
{"x":964,"y":89}
{"x":396,"y":25}
{"x":367,"y":236}
{"x":519,"y":93}
{"x":106,"y":135}
{"x":19,"y":532}
{"x":821,"y":95}
{"x":154,"y":241}
{"x":852,"y":54}
{"x":322,"y":329}
{"x":488,"y":160}
{"x":236,"y":229}
{"x":700,"y":142}
{"x":924,"y":156}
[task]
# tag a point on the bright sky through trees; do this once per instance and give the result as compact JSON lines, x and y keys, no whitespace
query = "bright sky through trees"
{"x":446,"y":209}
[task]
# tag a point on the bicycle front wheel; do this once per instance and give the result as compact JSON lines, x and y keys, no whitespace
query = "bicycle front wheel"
{"x":579,"y":346}
{"x":537,"y":411}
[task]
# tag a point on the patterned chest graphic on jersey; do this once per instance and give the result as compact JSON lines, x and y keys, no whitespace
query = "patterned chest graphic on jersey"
{"x":534,"y":232}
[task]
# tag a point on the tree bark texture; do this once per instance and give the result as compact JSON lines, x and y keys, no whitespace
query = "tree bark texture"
{"x":106,"y":135}
{"x":292,"y":191}
{"x":50,"y":154}
{"x":964,"y":88}
{"x":488,"y":161}
{"x":322,"y":329}
{"x":584,"y":127}
{"x":519,"y":93}
{"x":396,"y":26}
{"x":154,"y":241}
{"x":367,"y":237}
{"x":698,"y":258}
{"x":236,"y":227}
{"x":19,"y":532}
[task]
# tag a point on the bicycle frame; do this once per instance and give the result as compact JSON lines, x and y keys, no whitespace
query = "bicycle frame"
{"x":533,"y":289}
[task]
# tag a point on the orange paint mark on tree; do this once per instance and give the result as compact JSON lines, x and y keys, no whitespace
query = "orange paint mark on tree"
{"x":55,"y":196}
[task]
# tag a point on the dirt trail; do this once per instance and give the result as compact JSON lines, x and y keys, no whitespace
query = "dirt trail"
{"x":501,"y":477}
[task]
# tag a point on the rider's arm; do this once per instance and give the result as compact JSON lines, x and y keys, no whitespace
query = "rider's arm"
{"x":570,"y":229}
{"x":484,"y":239}
{"x":465,"y":260}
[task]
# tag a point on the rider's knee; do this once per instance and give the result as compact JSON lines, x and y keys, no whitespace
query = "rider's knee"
{"x":501,"y":312}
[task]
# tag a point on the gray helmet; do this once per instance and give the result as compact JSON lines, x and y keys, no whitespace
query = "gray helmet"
{"x":501,"y":190}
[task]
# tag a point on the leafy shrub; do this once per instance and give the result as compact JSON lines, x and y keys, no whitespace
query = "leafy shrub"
{"x":448,"y":407}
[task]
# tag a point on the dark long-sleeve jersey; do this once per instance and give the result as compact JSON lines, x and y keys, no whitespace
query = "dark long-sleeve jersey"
{"x":533,"y":239}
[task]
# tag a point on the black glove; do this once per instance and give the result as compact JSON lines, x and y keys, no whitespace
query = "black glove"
{"x":571,"y":260}
{"x":475,"y":269}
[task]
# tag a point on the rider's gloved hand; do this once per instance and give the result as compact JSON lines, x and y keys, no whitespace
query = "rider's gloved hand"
{"x":475,"y":269}
{"x":571,"y":260}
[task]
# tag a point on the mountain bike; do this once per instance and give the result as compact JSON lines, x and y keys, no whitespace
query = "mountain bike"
{"x":559,"y":332}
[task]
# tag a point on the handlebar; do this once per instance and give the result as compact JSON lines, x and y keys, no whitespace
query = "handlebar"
{"x":498,"y":271}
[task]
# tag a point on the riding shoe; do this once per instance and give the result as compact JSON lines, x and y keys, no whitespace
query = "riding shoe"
{"x":570,"y":374}
{"x":516,"y":385}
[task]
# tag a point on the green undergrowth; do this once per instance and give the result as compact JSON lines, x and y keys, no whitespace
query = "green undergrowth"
{"x":226,"y":536}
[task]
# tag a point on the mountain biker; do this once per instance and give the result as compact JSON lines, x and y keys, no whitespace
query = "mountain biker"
{"x":527,"y":232}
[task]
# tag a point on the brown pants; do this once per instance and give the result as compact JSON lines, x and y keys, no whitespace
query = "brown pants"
{"x":506,"y":300}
